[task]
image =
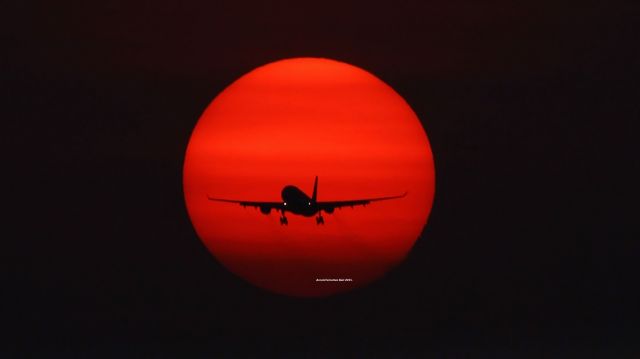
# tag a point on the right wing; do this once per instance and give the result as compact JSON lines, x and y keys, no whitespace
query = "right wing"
{"x":330,"y":206}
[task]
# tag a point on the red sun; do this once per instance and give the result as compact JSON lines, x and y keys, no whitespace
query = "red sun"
{"x":283,"y":124}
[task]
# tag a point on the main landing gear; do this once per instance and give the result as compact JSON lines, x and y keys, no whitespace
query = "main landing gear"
{"x":320,"y":220}
{"x":283,"y":220}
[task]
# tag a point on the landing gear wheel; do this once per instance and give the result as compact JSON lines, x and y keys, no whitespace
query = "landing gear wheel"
{"x":284,"y":221}
{"x":319,"y":220}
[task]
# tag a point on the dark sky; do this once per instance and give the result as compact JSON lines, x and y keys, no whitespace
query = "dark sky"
{"x":532,"y":247}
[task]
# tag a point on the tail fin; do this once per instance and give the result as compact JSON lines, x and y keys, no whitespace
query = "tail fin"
{"x":314,"y":197}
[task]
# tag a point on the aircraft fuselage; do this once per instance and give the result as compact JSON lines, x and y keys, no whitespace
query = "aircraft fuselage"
{"x":297,"y":202}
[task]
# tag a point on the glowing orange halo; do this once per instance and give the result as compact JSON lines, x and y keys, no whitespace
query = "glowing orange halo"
{"x":284,"y":123}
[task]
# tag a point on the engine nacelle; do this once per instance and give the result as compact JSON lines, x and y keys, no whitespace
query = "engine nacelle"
{"x":329,"y":210}
{"x":265,"y":209}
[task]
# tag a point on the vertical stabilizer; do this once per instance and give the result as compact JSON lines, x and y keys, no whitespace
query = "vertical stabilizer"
{"x":314,"y":197}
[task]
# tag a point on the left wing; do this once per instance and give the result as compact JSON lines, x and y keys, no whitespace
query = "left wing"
{"x":330,"y":206}
{"x":265,"y":207}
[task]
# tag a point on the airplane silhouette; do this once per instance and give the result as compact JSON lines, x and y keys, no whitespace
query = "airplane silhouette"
{"x":297,"y":202}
